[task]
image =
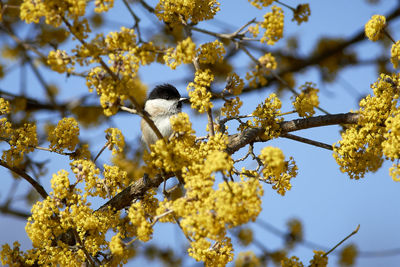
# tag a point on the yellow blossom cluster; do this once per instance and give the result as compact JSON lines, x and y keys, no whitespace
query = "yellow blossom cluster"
{"x":217,"y":254}
{"x":14,"y":256}
{"x":247,"y":259}
{"x":199,"y":94}
{"x":361,"y":147}
{"x":261,"y":3}
{"x":115,"y":139}
{"x":60,"y":219}
{"x":301,"y":13}
{"x":118,"y":82}
{"x":103,"y":5}
{"x":266,"y":117}
{"x":65,"y":135}
{"x":291,"y":262}
{"x":21,"y":140}
{"x":235,"y":84}
{"x":374,"y":28}
{"x":115,"y":179}
{"x":86,"y":170}
{"x":175,"y":12}
{"x":232,"y":204}
{"x":52,"y":10}
{"x":116,"y":245}
{"x":295,"y":229}
{"x":348,"y":255}
{"x":231,"y":107}
{"x":58,"y":60}
{"x":273,"y":24}
{"x":245,"y":236}
{"x":305,"y":103}
{"x":210,"y":53}
{"x":257,"y":77}
{"x":4,"y":106}
{"x":390,"y":146}
{"x":319,"y":260}
{"x":137,"y":216}
{"x":276,"y":170}
{"x":183,"y":53}
{"x":395,"y":54}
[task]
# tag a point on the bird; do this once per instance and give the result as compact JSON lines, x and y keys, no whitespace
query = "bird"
{"x":163,"y":102}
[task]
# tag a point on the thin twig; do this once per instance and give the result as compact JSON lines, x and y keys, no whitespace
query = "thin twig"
{"x":29,"y":179}
{"x":136,"y":18}
{"x":101,"y":150}
{"x":388,"y":35}
{"x":130,"y":110}
{"x":306,"y":141}
{"x":338,"y":244}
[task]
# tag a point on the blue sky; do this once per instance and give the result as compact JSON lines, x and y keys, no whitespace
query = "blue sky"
{"x":328,"y":203}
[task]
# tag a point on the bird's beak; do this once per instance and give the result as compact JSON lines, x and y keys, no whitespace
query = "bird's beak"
{"x":183,"y":99}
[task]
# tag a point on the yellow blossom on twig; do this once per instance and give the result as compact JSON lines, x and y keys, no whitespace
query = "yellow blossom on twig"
{"x":374,"y":27}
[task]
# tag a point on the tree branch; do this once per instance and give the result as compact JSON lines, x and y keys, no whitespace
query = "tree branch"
{"x":239,"y":140}
{"x":236,"y":141}
{"x":29,"y":179}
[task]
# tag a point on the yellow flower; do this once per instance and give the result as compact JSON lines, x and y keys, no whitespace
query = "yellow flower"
{"x":395,"y":56}
{"x":247,"y":259}
{"x":319,"y":260}
{"x":291,"y":262}
{"x":58,"y":60}
{"x":199,"y":94}
{"x":348,"y":255}
{"x":307,"y":100}
{"x":245,"y":236}
{"x":261,"y":3}
{"x":103,"y":5}
{"x":175,"y":12}
{"x":277,"y":170}
{"x":137,"y":217}
{"x":4,"y":106}
{"x":116,"y":245}
{"x":374,"y":28}
{"x":65,"y":135}
{"x":273,"y":24}
{"x":257,"y":77}
{"x":184,"y":53}
{"x":210,"y":53}
{"x":231,"y":107}
{"x":265,"y":116}
{"x":21,"y":140}
{"x":116,"y":140}
{"x":301,"y":13}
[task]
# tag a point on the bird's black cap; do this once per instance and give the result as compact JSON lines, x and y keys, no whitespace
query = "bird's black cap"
{"x":164,"y":91}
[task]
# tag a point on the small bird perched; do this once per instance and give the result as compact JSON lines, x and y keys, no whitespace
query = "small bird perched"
{"x":163,"y":102}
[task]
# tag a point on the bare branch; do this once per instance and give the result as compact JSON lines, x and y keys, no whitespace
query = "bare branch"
{"x":29,"y":179}
{"x":239,"y":140}
{"x":306,"y":141}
